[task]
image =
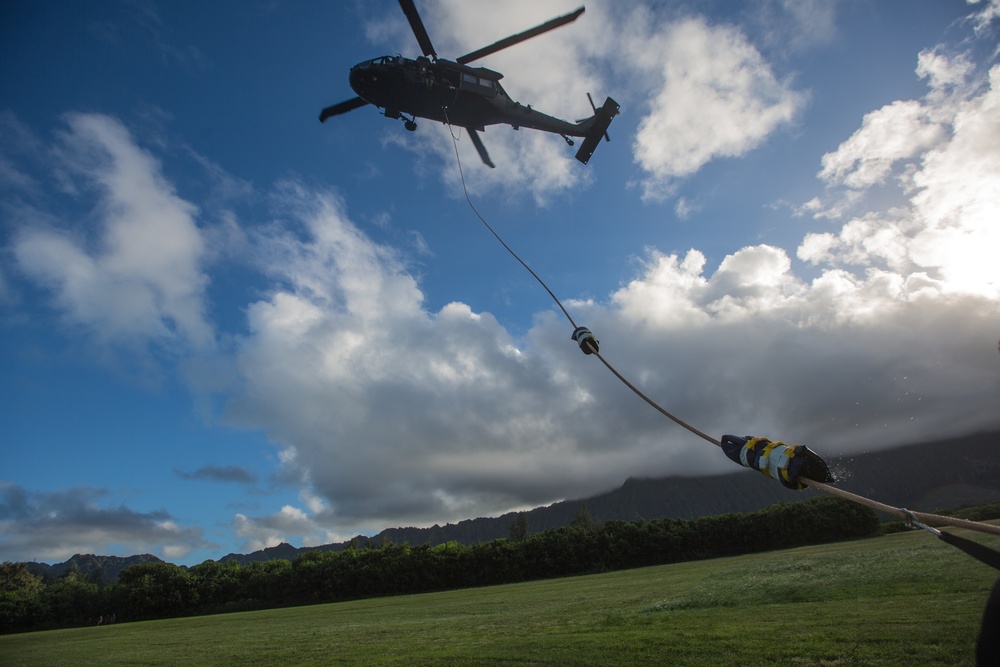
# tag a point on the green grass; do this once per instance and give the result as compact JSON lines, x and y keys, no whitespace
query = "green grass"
{"x":904,"y":599}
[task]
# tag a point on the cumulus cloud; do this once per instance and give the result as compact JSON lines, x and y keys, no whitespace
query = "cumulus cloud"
{"x":392,"y":413}
{"x":903,"y":130}
{"x":52,"y":526}
{"x":383,"y":406}
{"x":287,"y":524}
{"x":947,"y":169}
{"x":131,"y":274}
{"x":712,"y":95}
{"x":897,"y":131}
{"x":871,"y":359}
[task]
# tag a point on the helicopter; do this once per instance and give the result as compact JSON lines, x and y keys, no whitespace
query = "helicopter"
{"x":452,"y":92}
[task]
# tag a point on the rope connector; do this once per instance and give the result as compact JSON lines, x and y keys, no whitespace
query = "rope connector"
{"x":586,"y":340}
{"x":911,"y":522}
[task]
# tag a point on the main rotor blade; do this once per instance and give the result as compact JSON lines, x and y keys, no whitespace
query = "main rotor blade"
{"x":417,"y":25}
{"x":478,"y":143}
{"x":343,"y":107}
{"x":519,"y":37}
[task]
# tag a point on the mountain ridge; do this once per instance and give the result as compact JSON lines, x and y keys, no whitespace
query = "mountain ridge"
{"x":907,"y":476}
{"x":92,"y":567}
{"x":972,"y":471}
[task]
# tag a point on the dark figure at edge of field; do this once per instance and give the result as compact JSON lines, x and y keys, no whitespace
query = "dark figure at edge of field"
{"x":988,"y":645}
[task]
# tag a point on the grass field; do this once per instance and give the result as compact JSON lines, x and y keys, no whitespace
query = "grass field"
{"x":905,"y":599}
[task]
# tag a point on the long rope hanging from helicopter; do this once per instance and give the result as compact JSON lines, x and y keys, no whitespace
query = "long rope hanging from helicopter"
{"x":458,"y":95}
{"x":794,"y":466}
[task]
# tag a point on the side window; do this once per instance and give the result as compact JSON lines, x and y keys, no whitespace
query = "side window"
{"x":480,"y":86}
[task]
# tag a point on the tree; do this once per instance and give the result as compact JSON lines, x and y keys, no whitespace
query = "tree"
{"x":519,"y":527}
{"x":21,"y":605}
{"x":267,"y":583}
{"x":71,"y":600}
{"x":218,"y":584}
{"x":155,"y":590}
{"x":585,"y":520}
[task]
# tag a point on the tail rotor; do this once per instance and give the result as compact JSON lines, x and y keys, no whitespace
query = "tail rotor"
{"x":598,"y":127}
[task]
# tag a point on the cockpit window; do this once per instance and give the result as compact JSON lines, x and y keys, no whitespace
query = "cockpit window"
{"x":473,"y":80}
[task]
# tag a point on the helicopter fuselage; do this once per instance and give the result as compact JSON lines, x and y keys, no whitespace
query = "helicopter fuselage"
{"x":447,"y":92}
{"x":452,"y":92}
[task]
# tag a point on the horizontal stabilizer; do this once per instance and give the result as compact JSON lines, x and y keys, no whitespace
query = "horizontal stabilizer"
{"x":602,"y":119}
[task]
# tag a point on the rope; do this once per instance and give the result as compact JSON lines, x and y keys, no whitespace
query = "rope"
{"x":513,"y":254}
{"x":655,"y":405}
{"x":541,"y":282}
{"x":904,"y":514}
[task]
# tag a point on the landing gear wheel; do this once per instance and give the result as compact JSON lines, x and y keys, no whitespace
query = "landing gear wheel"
{"x":410,"y":125}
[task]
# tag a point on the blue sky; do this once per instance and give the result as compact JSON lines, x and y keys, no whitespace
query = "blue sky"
{"x":225,"y":325}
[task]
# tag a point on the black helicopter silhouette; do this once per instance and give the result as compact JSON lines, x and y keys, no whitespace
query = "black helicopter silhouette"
{"x":449,"y":91}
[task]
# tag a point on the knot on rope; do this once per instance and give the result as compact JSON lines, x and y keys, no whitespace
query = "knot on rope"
{"x":581,"y":336}
{"x":785,"y":463}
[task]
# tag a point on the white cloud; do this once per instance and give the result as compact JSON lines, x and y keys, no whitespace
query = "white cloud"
{"x":957,"y":198}
{"x":943,"y":73}
{"x":896,"y":131}
{"x":712,"y":95}
{"x":983,"y":19}
{"x":684,"y":208}
{"x":131,"y":272}
{"x":950,"y":169}
{"x":349,"y":373}
{"x":903,"y":130}
{"x":287,"y":523}
{"x":392,"y":414}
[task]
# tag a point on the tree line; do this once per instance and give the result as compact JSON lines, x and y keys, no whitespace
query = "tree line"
{"x":162,"y":590}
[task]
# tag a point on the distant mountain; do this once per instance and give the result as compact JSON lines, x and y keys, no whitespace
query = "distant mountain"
{"x":94,"y":568}
{"x":929,"y":476}
{"x":283,"y":551}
